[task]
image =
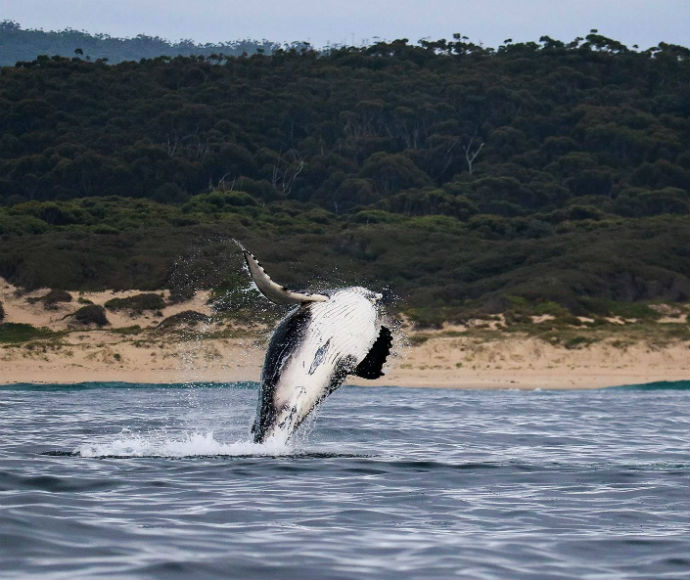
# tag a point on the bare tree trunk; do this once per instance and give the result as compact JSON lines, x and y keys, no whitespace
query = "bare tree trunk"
{"x":470,"y":154}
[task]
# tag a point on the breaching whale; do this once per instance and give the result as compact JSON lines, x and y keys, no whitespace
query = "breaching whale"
{"x":327,"y":336}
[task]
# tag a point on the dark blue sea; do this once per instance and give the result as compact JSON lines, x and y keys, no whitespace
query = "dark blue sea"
{"x":143,"y":481}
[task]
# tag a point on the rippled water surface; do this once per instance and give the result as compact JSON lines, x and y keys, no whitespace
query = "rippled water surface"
{"x":141,"y":481}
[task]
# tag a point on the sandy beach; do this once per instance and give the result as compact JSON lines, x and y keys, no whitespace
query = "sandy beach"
{"x":482,"y":355}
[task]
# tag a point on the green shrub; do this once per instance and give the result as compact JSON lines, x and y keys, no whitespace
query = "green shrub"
{"x":570,"y":320}
{"x":427,"y":317}
{"x":186,"y":317}
{"x":91,"y":314}
{"x":218,"y":201}
{"x":552,"y":308}
{"x":105,"y":229}
{"x":51,"y":299}
{"x":375,"y":216}
{"x":21,"y":224}
{"x":638,"y":310}
{"x":137,"y":303}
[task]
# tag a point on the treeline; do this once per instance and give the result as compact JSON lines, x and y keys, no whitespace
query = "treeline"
{"x":18,"y":44}
{"x":449,"y":128}
{"x":458,"y":175}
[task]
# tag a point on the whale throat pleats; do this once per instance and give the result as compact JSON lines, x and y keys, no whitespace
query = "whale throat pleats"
{"x":372,"y":365}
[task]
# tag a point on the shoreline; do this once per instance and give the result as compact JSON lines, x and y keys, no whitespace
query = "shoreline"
{"x":500,"y":364}
{"x":482,"y":354}
{"x":486,"y":386}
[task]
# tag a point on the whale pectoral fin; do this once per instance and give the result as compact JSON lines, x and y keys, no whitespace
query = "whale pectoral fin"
{"x":275,"y":292}
{"x":372,"y":365}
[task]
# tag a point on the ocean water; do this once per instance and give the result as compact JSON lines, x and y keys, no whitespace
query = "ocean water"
{"x":142,"y":481}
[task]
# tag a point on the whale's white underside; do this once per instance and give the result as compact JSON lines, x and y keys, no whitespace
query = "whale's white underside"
{"x":338,"y":336}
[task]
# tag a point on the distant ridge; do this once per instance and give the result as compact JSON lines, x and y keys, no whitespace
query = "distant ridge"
{"x":18,"y":44}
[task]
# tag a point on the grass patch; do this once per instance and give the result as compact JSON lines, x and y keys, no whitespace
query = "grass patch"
{"x":417,"y":339}
{"x":11,"y":332}
{"x":638,"y":310}
{"x":674,"y":331}
{"x":579,"y":341}
{"x":551,"y":308}
{"x":231,"y":333}
{"x":457,"y":333}
{"x":127,"y":330}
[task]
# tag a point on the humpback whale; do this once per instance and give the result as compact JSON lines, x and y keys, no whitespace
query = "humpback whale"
{"x":325,"y":337}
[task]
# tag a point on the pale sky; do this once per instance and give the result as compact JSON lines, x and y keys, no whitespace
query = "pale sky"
{"x":320,"y":22}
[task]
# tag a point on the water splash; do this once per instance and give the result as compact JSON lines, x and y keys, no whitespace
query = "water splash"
{"x":190,"y":444}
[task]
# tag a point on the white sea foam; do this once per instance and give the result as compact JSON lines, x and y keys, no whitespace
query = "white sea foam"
{"x":191,"y":444}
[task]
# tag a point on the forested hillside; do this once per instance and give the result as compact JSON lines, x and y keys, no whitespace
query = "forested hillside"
{"x":457,"y":175}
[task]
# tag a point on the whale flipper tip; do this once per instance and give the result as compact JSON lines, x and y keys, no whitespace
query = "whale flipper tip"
{"x":372,"y":365}
{"x":275,"y":292}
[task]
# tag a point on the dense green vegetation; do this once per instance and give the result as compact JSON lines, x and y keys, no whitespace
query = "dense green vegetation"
{"x":17,"y":44}
{"x":460,"y":177}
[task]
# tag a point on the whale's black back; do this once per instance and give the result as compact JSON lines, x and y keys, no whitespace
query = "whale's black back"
{"x":284,"y":342}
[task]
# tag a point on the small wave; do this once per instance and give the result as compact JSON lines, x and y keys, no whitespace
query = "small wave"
{"x":656,"y":386}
